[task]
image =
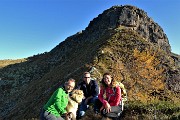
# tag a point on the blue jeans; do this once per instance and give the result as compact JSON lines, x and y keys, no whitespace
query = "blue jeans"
{"x":83,"y":107}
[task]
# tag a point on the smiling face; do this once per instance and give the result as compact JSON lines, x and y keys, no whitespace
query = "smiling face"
{"x":107,"y":79}
{"x":69,"y":86}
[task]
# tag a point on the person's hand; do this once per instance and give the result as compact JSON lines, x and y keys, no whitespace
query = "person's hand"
{"x":108,"y":108}
{"x":68,"y":116}
{"x":102,"y":107}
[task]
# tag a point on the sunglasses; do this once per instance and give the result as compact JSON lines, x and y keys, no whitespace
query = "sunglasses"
{"x":86,"y":77}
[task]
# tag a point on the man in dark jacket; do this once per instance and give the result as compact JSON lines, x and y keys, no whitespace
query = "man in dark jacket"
{"x":90,"y":89}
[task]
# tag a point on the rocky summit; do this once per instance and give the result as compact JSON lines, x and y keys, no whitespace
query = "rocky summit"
{"x":122,"y":40}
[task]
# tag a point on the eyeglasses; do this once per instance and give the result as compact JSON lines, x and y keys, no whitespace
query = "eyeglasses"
{"x":86,"y":77}
{"x":72,"y":87}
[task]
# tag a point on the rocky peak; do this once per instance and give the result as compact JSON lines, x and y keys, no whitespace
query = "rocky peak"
{"x":133,"y":18}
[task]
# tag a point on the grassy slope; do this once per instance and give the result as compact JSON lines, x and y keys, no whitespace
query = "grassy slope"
{"x":4,"y":63}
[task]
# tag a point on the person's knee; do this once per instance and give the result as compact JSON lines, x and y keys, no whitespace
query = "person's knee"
{"x":94,"y":99}
{"x":82,"y":107}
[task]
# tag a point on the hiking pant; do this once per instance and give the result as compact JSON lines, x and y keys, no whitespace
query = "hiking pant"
{"x":83,"y":107}
{"x":48,"y":116}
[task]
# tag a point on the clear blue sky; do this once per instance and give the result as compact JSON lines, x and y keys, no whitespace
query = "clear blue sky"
{"x":29,"y":27}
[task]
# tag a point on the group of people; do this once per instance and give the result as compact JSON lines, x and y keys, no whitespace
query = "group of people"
{"x":105,"y":98}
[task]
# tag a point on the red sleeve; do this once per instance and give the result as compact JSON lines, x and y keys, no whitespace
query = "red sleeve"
{"x":118,"y":96}
{"x":100,"y":96}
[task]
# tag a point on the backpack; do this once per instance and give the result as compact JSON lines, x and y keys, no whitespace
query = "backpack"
{"x":123,"y":94}
{"x":123,"y":91}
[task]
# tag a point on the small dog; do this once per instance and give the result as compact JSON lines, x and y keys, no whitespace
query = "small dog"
{"x":74,"y":99}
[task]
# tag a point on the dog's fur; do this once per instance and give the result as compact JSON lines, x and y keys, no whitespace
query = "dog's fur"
{"x":73,"y":101}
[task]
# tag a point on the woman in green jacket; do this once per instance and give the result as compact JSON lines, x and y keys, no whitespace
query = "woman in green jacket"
{"x":56,"y":105}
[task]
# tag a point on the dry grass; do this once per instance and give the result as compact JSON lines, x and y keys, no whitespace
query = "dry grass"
{"x":4,"y":63}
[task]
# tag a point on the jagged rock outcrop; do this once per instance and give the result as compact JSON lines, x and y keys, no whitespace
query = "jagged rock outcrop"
{"x":133,"y":18}
{"x":122,"y":40}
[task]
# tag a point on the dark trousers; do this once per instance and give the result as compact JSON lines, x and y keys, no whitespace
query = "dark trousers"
{"x":83,"y":107}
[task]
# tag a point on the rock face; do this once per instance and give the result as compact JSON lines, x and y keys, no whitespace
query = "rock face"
{"x":122,"y":40}
{"x":135,"y":19}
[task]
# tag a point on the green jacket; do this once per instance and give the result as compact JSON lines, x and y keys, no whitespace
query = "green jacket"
{"x":57,"y":103}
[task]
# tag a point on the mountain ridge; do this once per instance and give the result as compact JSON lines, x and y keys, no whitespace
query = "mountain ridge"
{"x":122,"y":40}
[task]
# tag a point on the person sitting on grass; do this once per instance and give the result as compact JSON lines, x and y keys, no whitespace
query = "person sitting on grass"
{"x":109,"y":98}
{"x":90,"y":89}
{"x":55,"y":108}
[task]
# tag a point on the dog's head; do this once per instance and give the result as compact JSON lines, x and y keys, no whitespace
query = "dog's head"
{"x":77,"y":95}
